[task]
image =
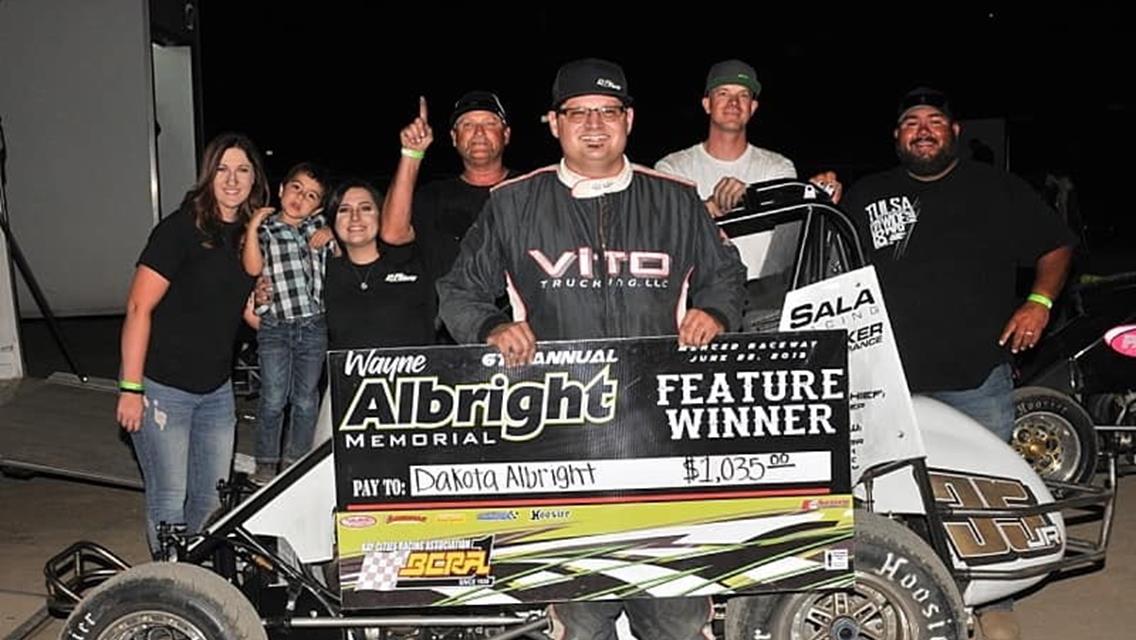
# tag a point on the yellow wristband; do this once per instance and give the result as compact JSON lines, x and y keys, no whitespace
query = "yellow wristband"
{"x":1041,"y":299}
{"x":130,"y":387}
{"x":413,"y":153}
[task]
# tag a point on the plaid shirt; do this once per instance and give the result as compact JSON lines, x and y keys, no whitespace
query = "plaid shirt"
{"x":295,"y":270}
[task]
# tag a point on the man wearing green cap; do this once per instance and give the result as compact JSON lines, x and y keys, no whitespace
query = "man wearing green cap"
{"x":724,"y":163}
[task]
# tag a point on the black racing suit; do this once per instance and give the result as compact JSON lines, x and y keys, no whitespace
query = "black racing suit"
{"x":623,"y":257}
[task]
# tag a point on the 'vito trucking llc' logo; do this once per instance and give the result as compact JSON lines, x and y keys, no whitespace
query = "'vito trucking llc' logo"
{"x":585,"y":268}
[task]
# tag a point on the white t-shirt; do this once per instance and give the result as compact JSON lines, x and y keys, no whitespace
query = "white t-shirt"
{"x":762,"y":253}
{"x":698,"y":166}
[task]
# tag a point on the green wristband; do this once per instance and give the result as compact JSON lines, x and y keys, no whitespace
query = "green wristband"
{"x":132,"y":387}
{"x":413,"y":153}
{"x":1041,"y":299}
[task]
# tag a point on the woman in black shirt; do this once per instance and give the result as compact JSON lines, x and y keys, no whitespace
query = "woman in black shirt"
{"x":380,"y":292}
{"x":182,"y":316}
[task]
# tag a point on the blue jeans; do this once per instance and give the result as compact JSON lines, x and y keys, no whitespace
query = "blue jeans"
{"x":291,"y":354}
{"x":650,"y":618}
{"x":184,"y":447}
{"x":991,"y":403}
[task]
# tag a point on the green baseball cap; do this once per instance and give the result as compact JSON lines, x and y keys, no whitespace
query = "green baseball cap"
{"x":733,"y":72}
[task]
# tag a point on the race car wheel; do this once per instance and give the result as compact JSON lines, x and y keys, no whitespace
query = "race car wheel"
{"x":165,"y":600}
{"x":902,"y":592}
{"x":1054,"y":434}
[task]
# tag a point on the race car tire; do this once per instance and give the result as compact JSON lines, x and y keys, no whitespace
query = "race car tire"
{"x":182,"y":601}
{"x":902,"y":592}
{"x":1054,"y":434}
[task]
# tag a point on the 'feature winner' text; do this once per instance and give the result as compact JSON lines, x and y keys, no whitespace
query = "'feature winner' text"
{"x":422,"y":411}
{"x":792,"y":402}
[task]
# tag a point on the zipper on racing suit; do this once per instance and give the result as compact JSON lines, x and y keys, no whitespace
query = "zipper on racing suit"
{"x":601,"y":214}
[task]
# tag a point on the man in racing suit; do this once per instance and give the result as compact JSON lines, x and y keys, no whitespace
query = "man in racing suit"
{"x":596,"y":247}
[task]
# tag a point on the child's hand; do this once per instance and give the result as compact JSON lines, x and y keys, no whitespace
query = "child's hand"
{"x":262,"y":292}
{"x":320,"y":238}
{"x":260,"y":215}
{"x":417,"y":135}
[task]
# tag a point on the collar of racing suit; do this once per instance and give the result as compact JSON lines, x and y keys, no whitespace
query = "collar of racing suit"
{"x":584,"y":187}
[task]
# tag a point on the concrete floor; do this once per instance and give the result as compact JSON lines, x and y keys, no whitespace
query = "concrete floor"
{"x":41,"y":516}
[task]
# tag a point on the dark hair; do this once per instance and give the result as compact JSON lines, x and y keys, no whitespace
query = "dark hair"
{"x":311,"y":169}
{"x":201,"y":201}
{"x":336,"y":198}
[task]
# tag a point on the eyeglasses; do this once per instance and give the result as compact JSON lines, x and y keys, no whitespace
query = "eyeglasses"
{"x":578,"y":115}
{"x":310,"y":195}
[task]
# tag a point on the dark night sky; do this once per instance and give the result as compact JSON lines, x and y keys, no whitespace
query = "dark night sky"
{"x":335,"y":81}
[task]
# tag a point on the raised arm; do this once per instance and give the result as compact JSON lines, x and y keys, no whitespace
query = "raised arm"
{"x":415,"y":137}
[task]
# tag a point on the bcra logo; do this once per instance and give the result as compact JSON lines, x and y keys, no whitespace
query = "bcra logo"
{"x":641,"y":264}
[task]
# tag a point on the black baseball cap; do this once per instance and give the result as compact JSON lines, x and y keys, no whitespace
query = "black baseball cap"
{"x":590,"y":76}
{"x":924,"y":97}
{"x":478,"y":101}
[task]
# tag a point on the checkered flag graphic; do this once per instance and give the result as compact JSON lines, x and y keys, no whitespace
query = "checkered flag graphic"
{"x":380,"y":570}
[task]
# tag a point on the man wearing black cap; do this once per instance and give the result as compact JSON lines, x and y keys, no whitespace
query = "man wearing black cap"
{"x":445,"y":209}
{"x":596,"y":247}
{"x":946,"y":235}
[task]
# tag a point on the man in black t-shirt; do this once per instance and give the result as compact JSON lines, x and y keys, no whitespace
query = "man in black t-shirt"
{"x":946,"y":236}
{"x":445,"y":209}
